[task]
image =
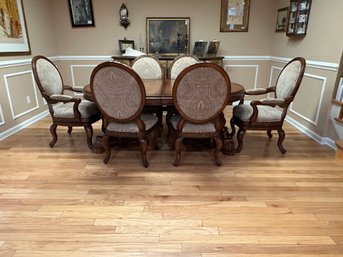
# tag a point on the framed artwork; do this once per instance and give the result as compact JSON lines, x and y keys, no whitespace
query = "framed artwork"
{"x":167,"y":36}
{"x":81,"y":13}
{"x":213,"y":47}
{"x":281,"y":20}
{"x":200,"y":48}
{"x":123,"y":44}
{"x":234,"y":15}
{"x":14,"y":39}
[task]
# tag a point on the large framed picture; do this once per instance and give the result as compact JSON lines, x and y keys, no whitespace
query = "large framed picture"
{"x":234,"y":15}
{"x":281,"y":20}
{"x":81,"y":13}
{"x":167,"y":36}
{"x":14,"y":39}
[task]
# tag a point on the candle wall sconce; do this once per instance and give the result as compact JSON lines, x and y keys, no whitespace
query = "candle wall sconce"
{"x":124,"y":16}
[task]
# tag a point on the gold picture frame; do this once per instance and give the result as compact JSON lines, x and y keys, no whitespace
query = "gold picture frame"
{"x":234,"y":15}
{"x":14,"y":39}
{"x":281,"y":20}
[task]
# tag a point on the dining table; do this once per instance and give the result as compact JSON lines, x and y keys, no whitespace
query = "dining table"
{"x":160,"y":93}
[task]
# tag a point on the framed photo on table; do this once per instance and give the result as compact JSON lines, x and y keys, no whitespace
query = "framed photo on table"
{"x":167,"y":36}
{"x":81,"y":13}
{"x":123,"y":44}
{"x":234,"y":15}
{"x":14,"y":39}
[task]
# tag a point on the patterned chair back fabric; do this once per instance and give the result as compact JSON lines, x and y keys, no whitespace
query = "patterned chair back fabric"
{"x":49,"y":78}
{"x":288,"y":79}
{"x":180,"y":63}
{"x":118,"y":90}
{"x":148,"y":67}
{"x":201,"y":92}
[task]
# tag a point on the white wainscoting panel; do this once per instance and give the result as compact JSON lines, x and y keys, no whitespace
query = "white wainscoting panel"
{"x":7,"y":86}
{"x":256,"y":67}
{"x":72,"y":71}
{"x":2,"y":119}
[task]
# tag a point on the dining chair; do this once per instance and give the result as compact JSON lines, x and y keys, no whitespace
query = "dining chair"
{"x":120,"y":95}
{"x":200,"y":94}
{"x":269,"y":113}
{"x":180,"y":63}
{"x":148,"y":67}
{"x":65,"y":110}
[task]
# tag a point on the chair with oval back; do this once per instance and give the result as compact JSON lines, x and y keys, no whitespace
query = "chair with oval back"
{"x":180,"y":63}
{"x":269,"y":113}
{"x":65,"y":110}
{"x":200,"y":94}
{"x":120,"y":95}
{"x":148,"y":67}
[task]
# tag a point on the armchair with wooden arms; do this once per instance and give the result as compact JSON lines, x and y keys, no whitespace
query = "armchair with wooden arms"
{"x":269,"y":113}
{"x":65,"y":110}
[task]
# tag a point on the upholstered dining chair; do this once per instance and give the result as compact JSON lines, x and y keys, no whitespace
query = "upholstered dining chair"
{"x":65,"y":110}
{"x":180,"y":63}
{"x":200,"y":94}
{"x":269,"y":113}
{"x":120,"y":95}
{"x":148,"y":67}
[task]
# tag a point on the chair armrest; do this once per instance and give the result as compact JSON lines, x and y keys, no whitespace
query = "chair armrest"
{"x":260,"y":91}
{"x":267,"y":101}
{"x":73,"y":89}
{"x":58,"y":97}
{"x":272,"y":101}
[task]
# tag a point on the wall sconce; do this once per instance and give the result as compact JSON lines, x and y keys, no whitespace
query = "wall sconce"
{"x":124,"y":16}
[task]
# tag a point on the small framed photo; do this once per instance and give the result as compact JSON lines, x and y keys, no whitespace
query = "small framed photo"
{"x":81,"y":13}
{"x":281,"y":20}
{"x":200,"y":48}
{"x":213,"y":47}
{"x":123,"y":44}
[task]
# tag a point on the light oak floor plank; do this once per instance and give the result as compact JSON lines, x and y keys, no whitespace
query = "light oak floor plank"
{"x":64,"y":201}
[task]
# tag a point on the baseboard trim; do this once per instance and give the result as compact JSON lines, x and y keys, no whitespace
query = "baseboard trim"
{"x":321,"y":140}
{"x":23,"y":125}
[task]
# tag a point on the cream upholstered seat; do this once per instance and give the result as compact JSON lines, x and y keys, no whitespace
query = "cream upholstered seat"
{"x":148,"y":67}
{"x":180,"y":63}
{"x":200,"y":94}
{"x":65,"y":110}
{"x":120,"y":95}
{"x":269,"y":113}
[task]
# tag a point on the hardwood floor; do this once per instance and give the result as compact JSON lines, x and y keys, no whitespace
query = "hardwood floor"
{"x":64,"y":201}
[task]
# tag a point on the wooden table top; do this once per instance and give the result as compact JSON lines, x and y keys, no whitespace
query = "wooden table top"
{"x":159,"y":92}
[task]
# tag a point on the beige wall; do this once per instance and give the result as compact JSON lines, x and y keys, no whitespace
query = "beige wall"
{"x":204,"y":14}
{"x":249,"y":62}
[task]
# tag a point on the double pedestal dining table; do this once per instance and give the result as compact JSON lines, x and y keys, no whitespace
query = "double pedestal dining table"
{"x":159,"y":93}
